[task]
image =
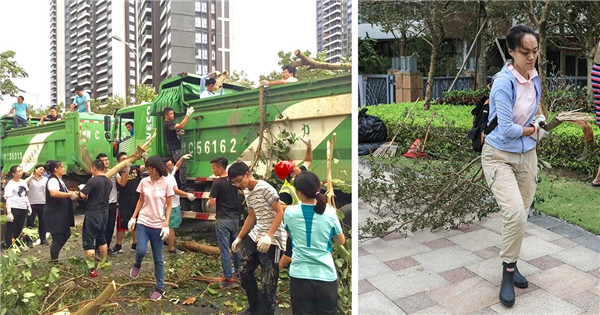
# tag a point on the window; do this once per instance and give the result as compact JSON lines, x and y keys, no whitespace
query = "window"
{"x":212,"y":8}
{"x":213,"y":56}
{"x":204,"y":38}
{"x":203,"y":6}
{"x":197,"y":6}
{"x":204,"y":69}
{"x":204,"y":54}
{"x":198,"y":69}
{"x":197,"y":22}
{"x":203,"y":22}
{"x":198,"y":38}
{"x":212,"y":24}
{"x":132,"y":73}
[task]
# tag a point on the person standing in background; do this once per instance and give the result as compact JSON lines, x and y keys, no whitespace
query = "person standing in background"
{"x":22,"y":112}
{"x":595,"y":76}
{"x":81,"y":101}
{"x":37,"y":198}
{"x":170,"y":129}
{"x":17,"y":206}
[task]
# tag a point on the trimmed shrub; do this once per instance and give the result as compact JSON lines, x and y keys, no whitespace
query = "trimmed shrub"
{"x":467,"y":97}
{"x":451,"y":124}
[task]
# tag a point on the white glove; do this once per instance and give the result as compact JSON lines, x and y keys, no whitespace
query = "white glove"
{"x":126,"y":169}
{"x":29,"y":117}
{"x":164,"y":233}
{"x":91,"y":113}
{"x":191,"y":197}
{"x":131,"y":224}
{"x":539,"y":131}
{"x":235,"y":245}
{"x":40,"y":123}
{"x":264,"y":243}
{"x":74,"y":196}
{"x":264,"y":82}
{"x":145,"y":155}
{"x":81,"y":186}
{"x":29,"y":211}
{"x":186,"y":156}
{"x":10,"y":217}
{"x":189,"y":111}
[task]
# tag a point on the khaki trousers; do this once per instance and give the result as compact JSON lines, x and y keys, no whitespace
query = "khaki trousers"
{"x":512,"y":179}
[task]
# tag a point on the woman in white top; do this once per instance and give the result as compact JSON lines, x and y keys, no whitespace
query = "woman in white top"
{"x":17,"y":205}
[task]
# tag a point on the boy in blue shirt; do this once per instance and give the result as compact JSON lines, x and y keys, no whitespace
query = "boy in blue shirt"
{"x":21,"y":111}
{"x":81,"y":101}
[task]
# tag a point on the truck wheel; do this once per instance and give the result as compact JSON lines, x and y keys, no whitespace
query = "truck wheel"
{"x":205,"y":206}
{"x":347,"y":211}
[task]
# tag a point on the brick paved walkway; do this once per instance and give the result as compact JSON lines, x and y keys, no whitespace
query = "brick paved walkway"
{"x":459,"y":271}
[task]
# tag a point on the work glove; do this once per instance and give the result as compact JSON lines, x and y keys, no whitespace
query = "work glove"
{"x":91,"y":113}
{"x":164,"y":233}
{"x":28,"y":117}
{"x":235,"y":245}
{"x":40,"y":123}
{"x":145,"y":155}
{"x":189,"y":111}
{"x":131,"y":224}
{"x":74,"y":196}
{"x":264,"y":82}
{"x":29,"y":211}
{"x":81,"y":186}
{"x":191,"y":197}
{"x":10,"y":217}
{"x":186,"y":156}
{"x":126,"y":169}
{"x":539,"y":131}
{"x":264,"y":243}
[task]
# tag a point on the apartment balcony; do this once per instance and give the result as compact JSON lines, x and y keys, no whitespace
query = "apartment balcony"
{"x":100,"y":9}
{"x":84,"y":49}
{"x":102,"y":36}
{"x":101,"y":53}
{"x":72,"y":3}
{"x":83,"y":15}
{"x":147,"y":78}
{"x":102,"y":62}
{"x":102,"y":71}
{"x":100,"y":18}
{"x":101,"y":44}
{"x":83,"y":57}
{"x":86,"y":82}
{"x":334,"y":20}
{"x":102,"y":79}
{"x":83,"y":6}
{"x":332,"y":43}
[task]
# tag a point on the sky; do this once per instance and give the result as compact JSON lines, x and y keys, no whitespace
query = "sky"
{"x":259,"y":29}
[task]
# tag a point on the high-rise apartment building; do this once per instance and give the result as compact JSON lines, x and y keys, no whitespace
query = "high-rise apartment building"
{"x":109,"y":45}
{"x":334,"y":25}
{"x":182,"y":36}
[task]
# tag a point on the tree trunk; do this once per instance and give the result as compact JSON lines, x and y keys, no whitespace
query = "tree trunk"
{"x":94,"y":306}
{"x":403,"y":43}
{"x":431,"y":76}
{"x":195,"y":246}
{"x":542,"y":72}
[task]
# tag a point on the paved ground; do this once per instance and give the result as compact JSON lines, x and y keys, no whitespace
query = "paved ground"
{"x":459,"y":271}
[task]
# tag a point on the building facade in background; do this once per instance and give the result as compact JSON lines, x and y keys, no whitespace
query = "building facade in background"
{"x":334,"y":28}
{"x":108,"y":46}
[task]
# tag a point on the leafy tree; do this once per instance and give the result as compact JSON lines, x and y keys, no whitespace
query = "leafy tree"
{"x":240,"y":78}
{"x":9,"y":69}
{"x":369,"y":62}
{"x":109,"y":106}
{"x":143,"y":94}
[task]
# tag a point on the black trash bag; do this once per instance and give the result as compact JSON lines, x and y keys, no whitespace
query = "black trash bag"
{"x":368,"y":148}
{"x":370,"y":128}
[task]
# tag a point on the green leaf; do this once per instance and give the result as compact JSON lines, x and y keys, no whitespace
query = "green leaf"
{"x":212,"y":291}
{"x":29,"y":295}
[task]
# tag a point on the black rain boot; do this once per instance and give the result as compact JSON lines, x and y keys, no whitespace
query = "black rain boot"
{"x":507,"y":290}
{"x":520,"y":281}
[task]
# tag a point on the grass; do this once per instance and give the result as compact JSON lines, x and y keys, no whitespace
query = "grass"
{"x":570,"y":199}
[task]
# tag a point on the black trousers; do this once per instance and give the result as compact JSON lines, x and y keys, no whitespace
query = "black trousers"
{"x":39,"y":211}
{"x":14,"y":228}
{"x":261,"y":300}
{"x":58,"y":241}
{"x":313,"y":296}
{"x":110,"y":224}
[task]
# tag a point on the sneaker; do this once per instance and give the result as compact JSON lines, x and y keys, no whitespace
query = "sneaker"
{"x":134,"y":272}
{"x":38,"y":242}
{"x":93,"y":273}
{"x":133,"y":246}
{"x":176,"y":252}
{"x":118,"y":249}
{"x":30,"y":244}
{"x":44,"y":242}
{"x":111,"y":252}
{"x":157,"y":295}
{"x":226,"y":283}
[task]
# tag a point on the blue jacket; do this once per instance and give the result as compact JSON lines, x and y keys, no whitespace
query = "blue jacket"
{"x":507,"y":135}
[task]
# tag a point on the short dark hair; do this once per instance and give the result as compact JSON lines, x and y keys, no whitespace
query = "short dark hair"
{"x":167,"y":110}
{"x":99,"y":165}
{"x":210,"y":81}
{"x":78,"y":88}
{"x":20,"y":96}
{"x":514,"y":37}
{"x":220,"y":161}
{"x":236,"y":169}
{"x":167,"y":159}
{"x":39,"y":165}
{"x":120,"y":155}
{"x":101,"y":155}
{"x":129,"y":123}
{"x":290,"y":69}
{"x":156,"y":163}
{"x":52,"y":107}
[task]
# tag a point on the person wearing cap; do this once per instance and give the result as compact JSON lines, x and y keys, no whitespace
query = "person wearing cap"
{"x":210,"y":88}
{"x":286,"y":171}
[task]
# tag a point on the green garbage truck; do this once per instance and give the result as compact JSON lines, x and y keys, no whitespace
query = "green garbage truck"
{"x":223,"y":125}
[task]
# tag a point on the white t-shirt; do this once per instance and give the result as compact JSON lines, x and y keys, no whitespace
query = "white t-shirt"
{"x":173,"y":183}
{"x":206,"y":93}
{"x":292,"y":79}
{"x":112,"y":198}
{"x":53,"y":184}
{"x":16,"y":194}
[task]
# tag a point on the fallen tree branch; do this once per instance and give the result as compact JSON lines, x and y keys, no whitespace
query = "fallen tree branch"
{"x":208,"y":280}
{"x":96,"y":304}
{"x":131,"y":158}
{"x":330,"y":193}
{"x":313,"y":64}
{"x":197,"y":247}
{"x":261,"y":129}
{"x":174,"y":285}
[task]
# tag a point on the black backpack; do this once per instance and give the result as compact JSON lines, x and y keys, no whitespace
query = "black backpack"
{"x":480,"y":127}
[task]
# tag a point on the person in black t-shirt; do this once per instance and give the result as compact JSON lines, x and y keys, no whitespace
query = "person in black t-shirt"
{"x":52,"y":116}
{"x":170,"y":129}
{"x":226,"y":197}
{"x":127,"y":182}
{"x":96,"y":191}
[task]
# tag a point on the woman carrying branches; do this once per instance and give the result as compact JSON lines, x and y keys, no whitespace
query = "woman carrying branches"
{"x":312,"y":226}
{"x":508,"y":156}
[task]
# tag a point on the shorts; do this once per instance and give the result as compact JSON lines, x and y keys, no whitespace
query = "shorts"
{"x":94,"y":230}
{"x":123,"y":217}
{"x":175,"y":219}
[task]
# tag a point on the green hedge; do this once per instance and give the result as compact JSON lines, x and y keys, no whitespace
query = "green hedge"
{"x":451,"y":124}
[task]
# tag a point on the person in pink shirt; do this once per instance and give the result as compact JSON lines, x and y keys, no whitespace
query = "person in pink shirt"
{"x":152,"y":213}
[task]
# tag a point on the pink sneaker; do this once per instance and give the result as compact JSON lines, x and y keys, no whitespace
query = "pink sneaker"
{"x":134,"y":272}
{"x":157,"y":295}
